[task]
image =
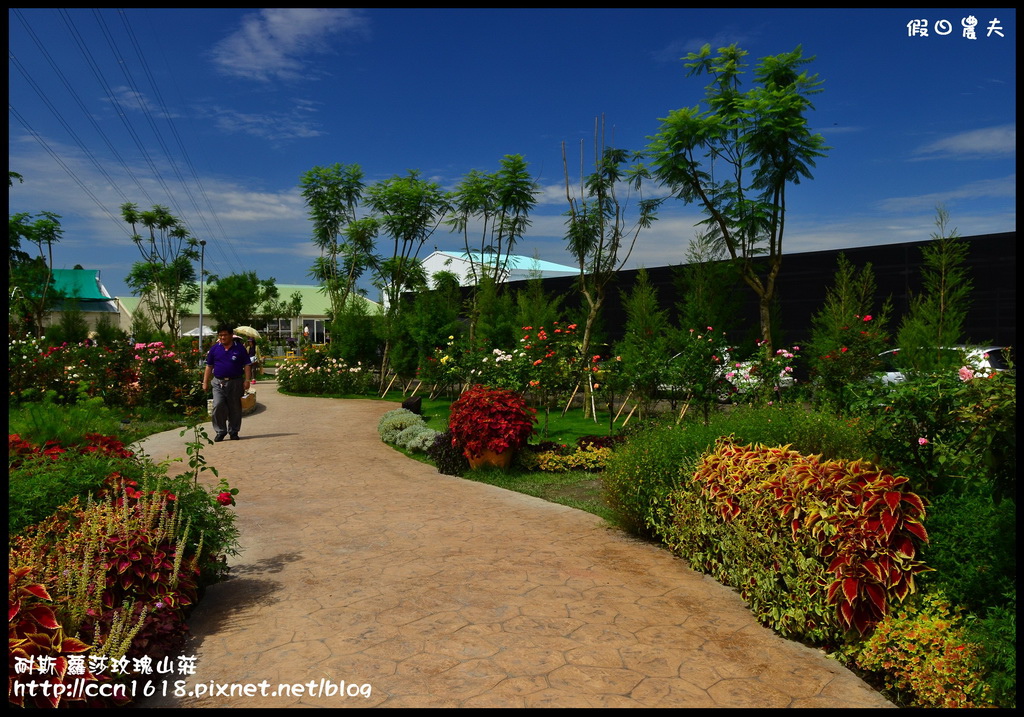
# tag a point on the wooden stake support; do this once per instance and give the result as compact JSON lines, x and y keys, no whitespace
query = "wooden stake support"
{"x":623,"y":406}
{"x":393,"y":378}
{"x":564,"y":410}
{"x":683,"y":412}
{"x":629,"y":416}
{"x":593,"y":404}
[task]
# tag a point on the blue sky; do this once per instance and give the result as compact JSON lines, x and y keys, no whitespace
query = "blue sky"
{"x":217,"y":113}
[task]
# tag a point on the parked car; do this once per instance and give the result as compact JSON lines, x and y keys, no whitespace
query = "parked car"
{"x":979,"y":359}
{"x":735,"y":378}
{"x":743,"y":378}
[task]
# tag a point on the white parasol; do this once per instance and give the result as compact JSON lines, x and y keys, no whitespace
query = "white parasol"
{"x":247,"y":331}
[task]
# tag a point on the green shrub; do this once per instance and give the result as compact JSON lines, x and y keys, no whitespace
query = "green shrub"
{"x":393,"y":422}
{"x":997,"y":634}
{"x":810,"y":432}
{"x":924,"y":649}
{"x":972,"y":548}
{"x":45,"y":420}
{"x":36,"y":487}
{"x":416,"y":438}
{"x":908,"y":421}
{"x":640,"y":476}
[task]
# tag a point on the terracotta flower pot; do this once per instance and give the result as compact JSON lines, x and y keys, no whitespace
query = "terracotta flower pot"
{"x":489,"y":458}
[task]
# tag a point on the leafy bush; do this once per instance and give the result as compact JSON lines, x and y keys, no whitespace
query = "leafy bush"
{"x":924,"y":649}
{"x":449,"y":459}
{"x":324,"y":375}
{"x":118,"y":574}
{"x":809,"y":432}
{"x":41,"y":478}
{"x":905,"y":422}
{"x":782,"y":527}
{"x":46,"y":420}
{"x":589,"y":458}
{"x":972,"y":548}
{"x":34,"y":633}
{"x":392,"y":423}
{"x":640,"y":476}
{"x":416,"y":438}
{"x":997,"y":634}
{"x":845,"y":357}
{"x":490,"y":419}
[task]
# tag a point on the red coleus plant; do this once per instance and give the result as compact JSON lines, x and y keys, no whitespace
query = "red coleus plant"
{"x":35,"y":637}
{"x":20,"y":449}
{"x":490,"y":419}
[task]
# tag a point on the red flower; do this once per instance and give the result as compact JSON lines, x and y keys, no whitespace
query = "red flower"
{"x":225,"y":498}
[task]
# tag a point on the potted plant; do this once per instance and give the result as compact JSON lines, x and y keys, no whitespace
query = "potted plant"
{"x":490,"y":425}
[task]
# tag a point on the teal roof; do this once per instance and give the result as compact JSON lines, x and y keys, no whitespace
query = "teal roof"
{"x":82,"y":284}
{"x":515,"y":261}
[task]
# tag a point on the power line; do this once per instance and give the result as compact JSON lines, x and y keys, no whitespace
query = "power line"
{"x":181,"y":146}
{"x":58,"y":160}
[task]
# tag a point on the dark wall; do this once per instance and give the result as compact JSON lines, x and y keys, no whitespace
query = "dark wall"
{"x":805,"y":278}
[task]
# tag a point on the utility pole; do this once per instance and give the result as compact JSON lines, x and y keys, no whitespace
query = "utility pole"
{"x":202,"y":262}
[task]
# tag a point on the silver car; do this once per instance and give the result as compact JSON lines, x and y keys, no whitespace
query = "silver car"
{"x":979,"y":360}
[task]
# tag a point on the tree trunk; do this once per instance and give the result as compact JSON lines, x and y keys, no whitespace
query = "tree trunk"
{"x":595,"y":309}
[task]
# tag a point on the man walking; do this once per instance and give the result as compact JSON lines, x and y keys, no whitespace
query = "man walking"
{"x":229,"y":367}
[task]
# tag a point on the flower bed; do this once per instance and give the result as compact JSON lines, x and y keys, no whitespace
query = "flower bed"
{"x":100,"y":586}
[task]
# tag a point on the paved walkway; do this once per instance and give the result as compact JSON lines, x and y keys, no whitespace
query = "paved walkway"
{"x":363,"y":567}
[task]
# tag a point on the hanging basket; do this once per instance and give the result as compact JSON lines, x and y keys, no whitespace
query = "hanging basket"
{"x":491,"y":459}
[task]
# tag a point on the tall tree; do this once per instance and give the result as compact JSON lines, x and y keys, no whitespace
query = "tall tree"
{"x":937,"y":314}
{"x":166,"y":277}
{"x":646,"y":345}
{"x":736,"y":158}
{"x":31,"y":290}
{"x":239,"y":299}
{"x":496,"y":207}
{"x":537,"y":307}
{"x":346,"y":244}
{"x":600,"y":234}
{"x":848,"y":334}
{"x":705,"y":284}
{"x":407,"y":209}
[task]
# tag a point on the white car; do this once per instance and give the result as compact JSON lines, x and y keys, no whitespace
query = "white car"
{"x":978,"y":359}
{"x":741,"y":378}
{"x":736,"y":378}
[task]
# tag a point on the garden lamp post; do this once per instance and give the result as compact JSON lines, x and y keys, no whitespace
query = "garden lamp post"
{"x":202,"y":262}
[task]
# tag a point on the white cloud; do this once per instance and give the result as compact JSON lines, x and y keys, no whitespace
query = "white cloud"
{"x":274,"y":126}
{"x":274,"y":42}
{"x":988,"y":142}
{"x":1000,"y":187}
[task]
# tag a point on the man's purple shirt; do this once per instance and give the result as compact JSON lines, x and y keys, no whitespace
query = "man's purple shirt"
{"x":228,"y":363}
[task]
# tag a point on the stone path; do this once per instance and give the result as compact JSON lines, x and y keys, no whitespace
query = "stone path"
{"x":367,"y":579}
